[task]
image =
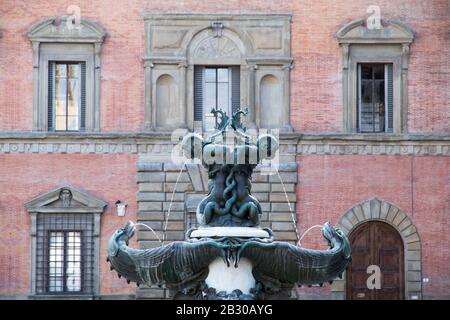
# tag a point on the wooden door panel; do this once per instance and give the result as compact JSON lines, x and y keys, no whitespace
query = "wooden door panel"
{"x":376,"y":243}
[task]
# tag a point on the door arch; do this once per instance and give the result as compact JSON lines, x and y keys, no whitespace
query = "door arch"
{"x":378,"y":210}
{"x":377,"y":244}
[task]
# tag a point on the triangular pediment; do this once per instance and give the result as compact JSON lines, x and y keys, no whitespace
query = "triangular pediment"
{"x":66,"y":199}
{"x":62,"y":30}
{"x":390,"y":32}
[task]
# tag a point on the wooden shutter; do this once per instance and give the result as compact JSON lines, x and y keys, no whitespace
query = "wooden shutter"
{"x":50,"y":86}
{"x":389,"y":97}
{"x":198,"y":93}
{"x":235,"y":88}
{"x":83,"y":96}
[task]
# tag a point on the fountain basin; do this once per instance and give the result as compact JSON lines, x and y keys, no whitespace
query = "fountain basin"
{"x":237,"y":232}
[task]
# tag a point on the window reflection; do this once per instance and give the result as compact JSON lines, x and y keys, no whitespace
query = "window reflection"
{"x":217,"y":94}
{"x":67,"y":96}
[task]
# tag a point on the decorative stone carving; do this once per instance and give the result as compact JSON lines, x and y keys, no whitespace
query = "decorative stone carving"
{"x":266,"y":38}
{"x":209,"y":39}
{"x":56,"y":30}
{"x":217,"y":48}
{"x":66,"y":199}
{"x":167,"y":38}
{"x":65,"y":195}
{"x":390,"y":32}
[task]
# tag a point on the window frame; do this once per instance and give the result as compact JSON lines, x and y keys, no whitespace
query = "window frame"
{"x":80,"y":113}
{"x":83,"y":43}
{"x":359,"y":92}
{"x":80,"y":53}
{"x":81,"y":203}
{"x":367,"y":55}
{"x":388,"y":44}
{"x":229,"y":82}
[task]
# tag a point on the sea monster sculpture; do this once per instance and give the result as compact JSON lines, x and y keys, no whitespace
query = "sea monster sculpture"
{"x":183,"y":266}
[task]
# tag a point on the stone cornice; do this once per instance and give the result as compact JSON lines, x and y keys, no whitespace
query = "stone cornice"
{"x":160,"y":143}
{"x":164,"y":16}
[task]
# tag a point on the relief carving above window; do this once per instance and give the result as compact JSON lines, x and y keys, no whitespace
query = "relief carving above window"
{"x":216,"y":47}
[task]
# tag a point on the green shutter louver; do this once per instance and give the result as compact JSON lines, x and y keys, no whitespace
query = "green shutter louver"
{"x":83,"y":97}
{"x":389,"y":98}
{"x":198,"y":93}
{"x":235,"y":88}
{"x":50,"y":85}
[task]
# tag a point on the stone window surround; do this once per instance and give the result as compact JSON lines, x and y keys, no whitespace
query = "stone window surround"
{"x":91,"y":205}
{"x":379,"y":210}
{"x":389,"y":45}
{"x":182,"y":60}
{"x":58,"y":43}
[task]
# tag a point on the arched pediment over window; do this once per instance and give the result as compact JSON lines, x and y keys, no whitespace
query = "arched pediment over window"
{"x":60,"y":29}
{"x":390,"y":32}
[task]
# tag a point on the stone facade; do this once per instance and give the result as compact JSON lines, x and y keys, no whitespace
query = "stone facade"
{"x":295,"y":61}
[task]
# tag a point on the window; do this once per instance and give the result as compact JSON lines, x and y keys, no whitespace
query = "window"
{"x":66,"y":75}
{"x":215,"y":88}
{"x":375,"y":76}
{"x":65,"y":244}
{"x":65,"y":254}
{"x":65,"y":261}
{"x":67,"y":96}
{"x":375,"y":110}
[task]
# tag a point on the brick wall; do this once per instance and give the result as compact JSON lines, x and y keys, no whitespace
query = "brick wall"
{"x":316,"y":97}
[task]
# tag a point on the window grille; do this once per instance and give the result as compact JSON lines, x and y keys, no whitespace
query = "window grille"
{"x":64,"y":253}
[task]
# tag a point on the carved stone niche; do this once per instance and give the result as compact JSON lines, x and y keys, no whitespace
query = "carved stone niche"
{"x":176,"y":43}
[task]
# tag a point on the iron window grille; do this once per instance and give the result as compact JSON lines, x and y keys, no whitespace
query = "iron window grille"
{"x":64,"y":254}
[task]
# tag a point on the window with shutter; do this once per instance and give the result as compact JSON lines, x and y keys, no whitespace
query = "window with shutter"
{"x":66,"y":96}
{"x":215,"y":88}
{"x":83,"y":97}
{"x":389,"y":98}
{"x":375,"y":107}
{"x":51,"y":71}
{"x":235,"y":88}
{"x":198,"y":93}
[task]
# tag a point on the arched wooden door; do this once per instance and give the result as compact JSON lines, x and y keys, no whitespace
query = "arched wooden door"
{"x":376,"y":243}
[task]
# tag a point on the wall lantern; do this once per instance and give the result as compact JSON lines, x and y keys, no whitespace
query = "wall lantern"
{"x":121,"y":208}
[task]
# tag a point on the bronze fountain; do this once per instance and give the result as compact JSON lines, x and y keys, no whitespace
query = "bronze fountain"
{"x":228,"y":257}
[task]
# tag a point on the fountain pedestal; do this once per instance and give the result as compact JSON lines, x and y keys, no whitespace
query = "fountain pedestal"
{"x":237,"y":232}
